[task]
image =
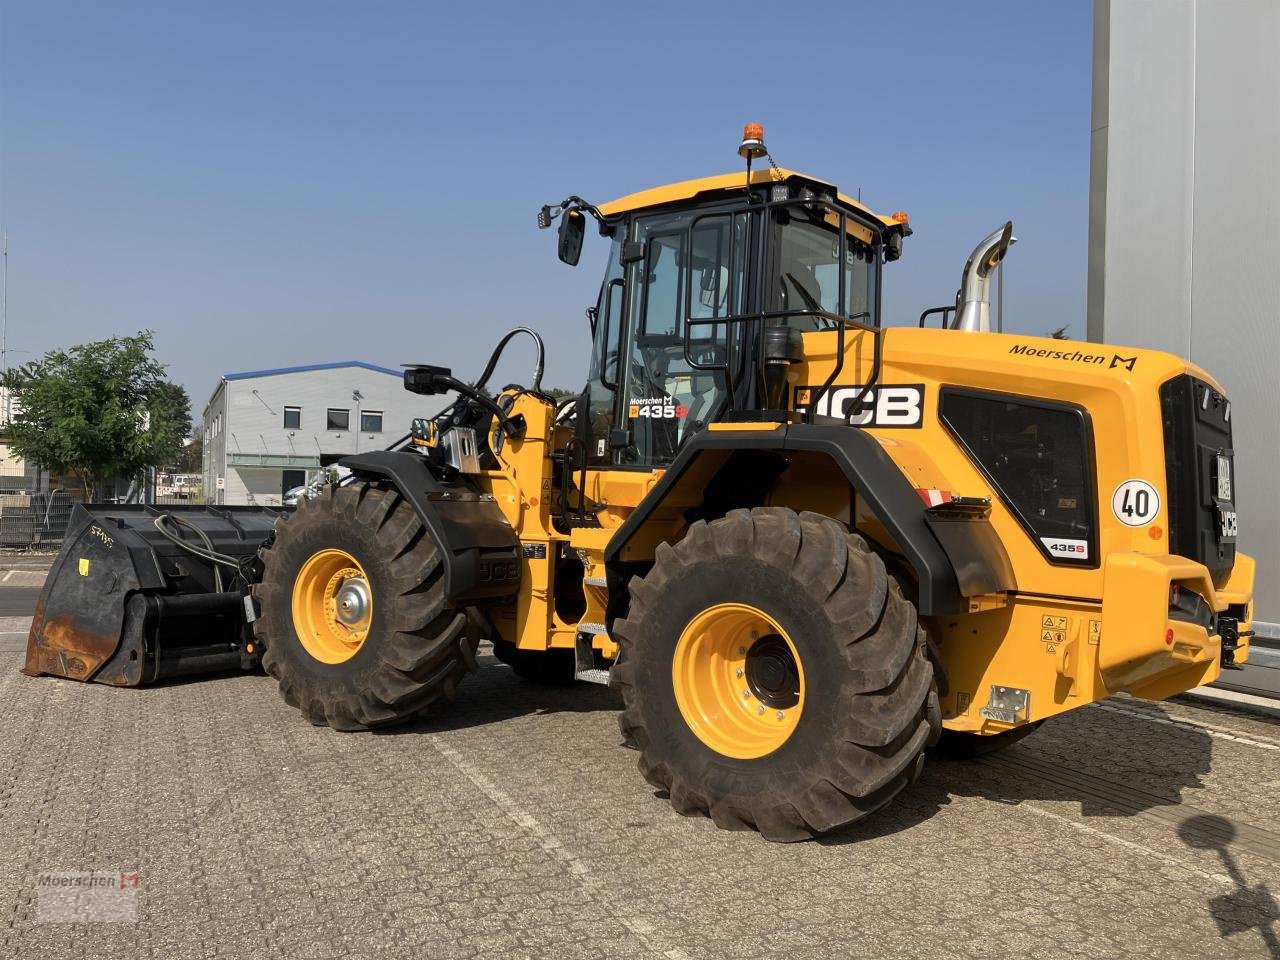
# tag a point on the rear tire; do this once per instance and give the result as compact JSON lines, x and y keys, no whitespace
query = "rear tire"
{"x":416,"y":648}
{"x":866,"y":704}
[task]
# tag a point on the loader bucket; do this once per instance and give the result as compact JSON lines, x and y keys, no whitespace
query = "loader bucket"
{"x":126,"y":605}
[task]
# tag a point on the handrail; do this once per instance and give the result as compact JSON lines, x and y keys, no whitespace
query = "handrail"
{"x":932,"y":310}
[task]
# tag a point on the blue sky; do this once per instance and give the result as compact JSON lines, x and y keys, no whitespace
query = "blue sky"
{"x":269,"y":184}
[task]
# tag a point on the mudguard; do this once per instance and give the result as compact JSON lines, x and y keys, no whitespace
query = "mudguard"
{"x":954,"y":555}
{"x":480,"y":549}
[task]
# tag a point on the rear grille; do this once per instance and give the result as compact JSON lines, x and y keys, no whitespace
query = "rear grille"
{"x":1196,"y":431}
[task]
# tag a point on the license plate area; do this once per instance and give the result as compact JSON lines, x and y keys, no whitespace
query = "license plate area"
{"x":1222,"y":477}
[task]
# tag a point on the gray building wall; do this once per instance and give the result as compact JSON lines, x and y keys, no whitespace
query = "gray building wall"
{"x":248,"y":445}
{"x":1185,"y":218}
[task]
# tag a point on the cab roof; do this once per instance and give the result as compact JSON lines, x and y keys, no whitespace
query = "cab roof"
{"x":688,"y":189}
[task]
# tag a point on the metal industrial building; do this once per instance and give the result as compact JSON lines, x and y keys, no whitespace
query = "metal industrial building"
{"x":266,"y":431}
{"x":1184,"y":226}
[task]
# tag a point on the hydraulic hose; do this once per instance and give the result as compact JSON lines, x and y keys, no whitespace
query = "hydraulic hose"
{"x":536,"y":385}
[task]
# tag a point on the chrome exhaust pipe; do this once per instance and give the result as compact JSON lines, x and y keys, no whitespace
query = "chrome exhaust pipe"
{"x":973,"y":306}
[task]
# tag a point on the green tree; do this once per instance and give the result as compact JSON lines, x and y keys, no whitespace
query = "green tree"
{"x":555,"y":393}
{"x":98,"y":410}
{"x":191,"y":459}
{"x":173,"y":396}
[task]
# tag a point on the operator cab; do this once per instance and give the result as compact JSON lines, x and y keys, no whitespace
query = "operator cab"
{"x":697,"y":272}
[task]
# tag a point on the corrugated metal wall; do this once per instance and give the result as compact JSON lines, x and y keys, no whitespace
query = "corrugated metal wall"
{"x":1185,"y":211}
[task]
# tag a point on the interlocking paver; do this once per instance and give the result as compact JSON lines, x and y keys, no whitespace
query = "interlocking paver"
{"x":512,"y":824}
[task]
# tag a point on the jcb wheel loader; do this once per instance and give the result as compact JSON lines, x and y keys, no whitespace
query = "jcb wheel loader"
{"x":800,"y":544}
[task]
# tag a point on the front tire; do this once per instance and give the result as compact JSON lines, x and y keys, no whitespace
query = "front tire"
{"x":354,"y":621}
{"x":774,"y":676}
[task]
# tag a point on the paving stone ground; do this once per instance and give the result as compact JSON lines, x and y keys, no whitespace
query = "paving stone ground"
{"x":514,"y":825}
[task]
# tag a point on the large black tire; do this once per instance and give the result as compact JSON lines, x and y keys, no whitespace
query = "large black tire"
{"x":418,"y":647}
{"x":870,"y":708}
{"x":551,"y":668}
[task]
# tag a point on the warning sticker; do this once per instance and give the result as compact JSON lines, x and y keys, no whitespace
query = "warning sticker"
{"x":1053,"y":631}
{"x":84,"y":566}
{"x":1095,"y":631}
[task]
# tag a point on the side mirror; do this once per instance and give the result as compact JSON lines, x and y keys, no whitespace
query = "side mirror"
{"x":573,"y":227}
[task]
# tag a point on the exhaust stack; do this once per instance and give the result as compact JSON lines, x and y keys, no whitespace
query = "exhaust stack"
{"x":973,"y":307}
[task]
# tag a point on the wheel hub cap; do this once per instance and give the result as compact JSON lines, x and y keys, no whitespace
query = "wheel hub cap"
{"x":353,"y":601}
{"x":772,"y":674}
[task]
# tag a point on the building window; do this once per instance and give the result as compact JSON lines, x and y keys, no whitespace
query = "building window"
{"x":338,"y":419}
{"x":293,"y":418}
{"x":371,"y":421}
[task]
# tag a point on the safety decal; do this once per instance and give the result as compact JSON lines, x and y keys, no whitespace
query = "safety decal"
{"x":1135,"y":503}
{"x":934,"y":497}
{"x":884,"y":405}
{"x":1053,"y":630}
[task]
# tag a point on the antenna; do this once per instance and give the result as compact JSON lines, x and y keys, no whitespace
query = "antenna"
{"x":4,"y":309}
{"x":4,"y":327}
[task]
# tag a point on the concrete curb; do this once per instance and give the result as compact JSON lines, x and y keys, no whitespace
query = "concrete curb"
{"x":1244,"y":702}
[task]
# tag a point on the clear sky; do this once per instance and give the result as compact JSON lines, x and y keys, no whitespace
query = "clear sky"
{"x":283,"y":183}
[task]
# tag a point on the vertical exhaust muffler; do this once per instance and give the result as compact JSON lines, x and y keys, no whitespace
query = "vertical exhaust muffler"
{"x":973,"y":303}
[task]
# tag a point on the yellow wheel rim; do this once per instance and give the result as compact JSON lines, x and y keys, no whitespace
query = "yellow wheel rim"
{"x":738,"y":681}
{"x":332,"y":605}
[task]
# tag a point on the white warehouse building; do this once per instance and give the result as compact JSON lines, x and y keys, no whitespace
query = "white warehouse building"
{"x":266,"y":431}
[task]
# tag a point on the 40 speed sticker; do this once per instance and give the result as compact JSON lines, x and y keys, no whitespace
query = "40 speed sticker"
{"x":1135,"y":503}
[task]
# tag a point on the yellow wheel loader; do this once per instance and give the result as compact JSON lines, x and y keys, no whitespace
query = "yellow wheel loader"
{"x":802,"y":546}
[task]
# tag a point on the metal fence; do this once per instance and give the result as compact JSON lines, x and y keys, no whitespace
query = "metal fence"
{"x":34,"y":512}
{"x":33,"y":516}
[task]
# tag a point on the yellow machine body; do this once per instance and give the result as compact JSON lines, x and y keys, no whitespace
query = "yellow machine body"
{"x":1064,"y":637}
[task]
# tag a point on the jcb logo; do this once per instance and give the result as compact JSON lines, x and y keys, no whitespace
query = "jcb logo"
{"x":885,"y":405}
{"x":498,"y":571}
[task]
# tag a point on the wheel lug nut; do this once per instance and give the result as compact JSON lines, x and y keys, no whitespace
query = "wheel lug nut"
{"x":740,"y":671}
{"x":760,"y":709}
{"x":742,"y":650}
{"x":781,"y":715}
{"x":746,"y":694}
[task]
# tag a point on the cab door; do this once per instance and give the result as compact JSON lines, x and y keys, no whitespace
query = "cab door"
{"x":677,"y":341}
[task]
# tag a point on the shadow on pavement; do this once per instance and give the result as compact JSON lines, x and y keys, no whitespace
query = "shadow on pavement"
{"x":1088,"y":766}
{"x":1113,"y":765}
{"x":496,"y":693}
{"x":1245,"y":908}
